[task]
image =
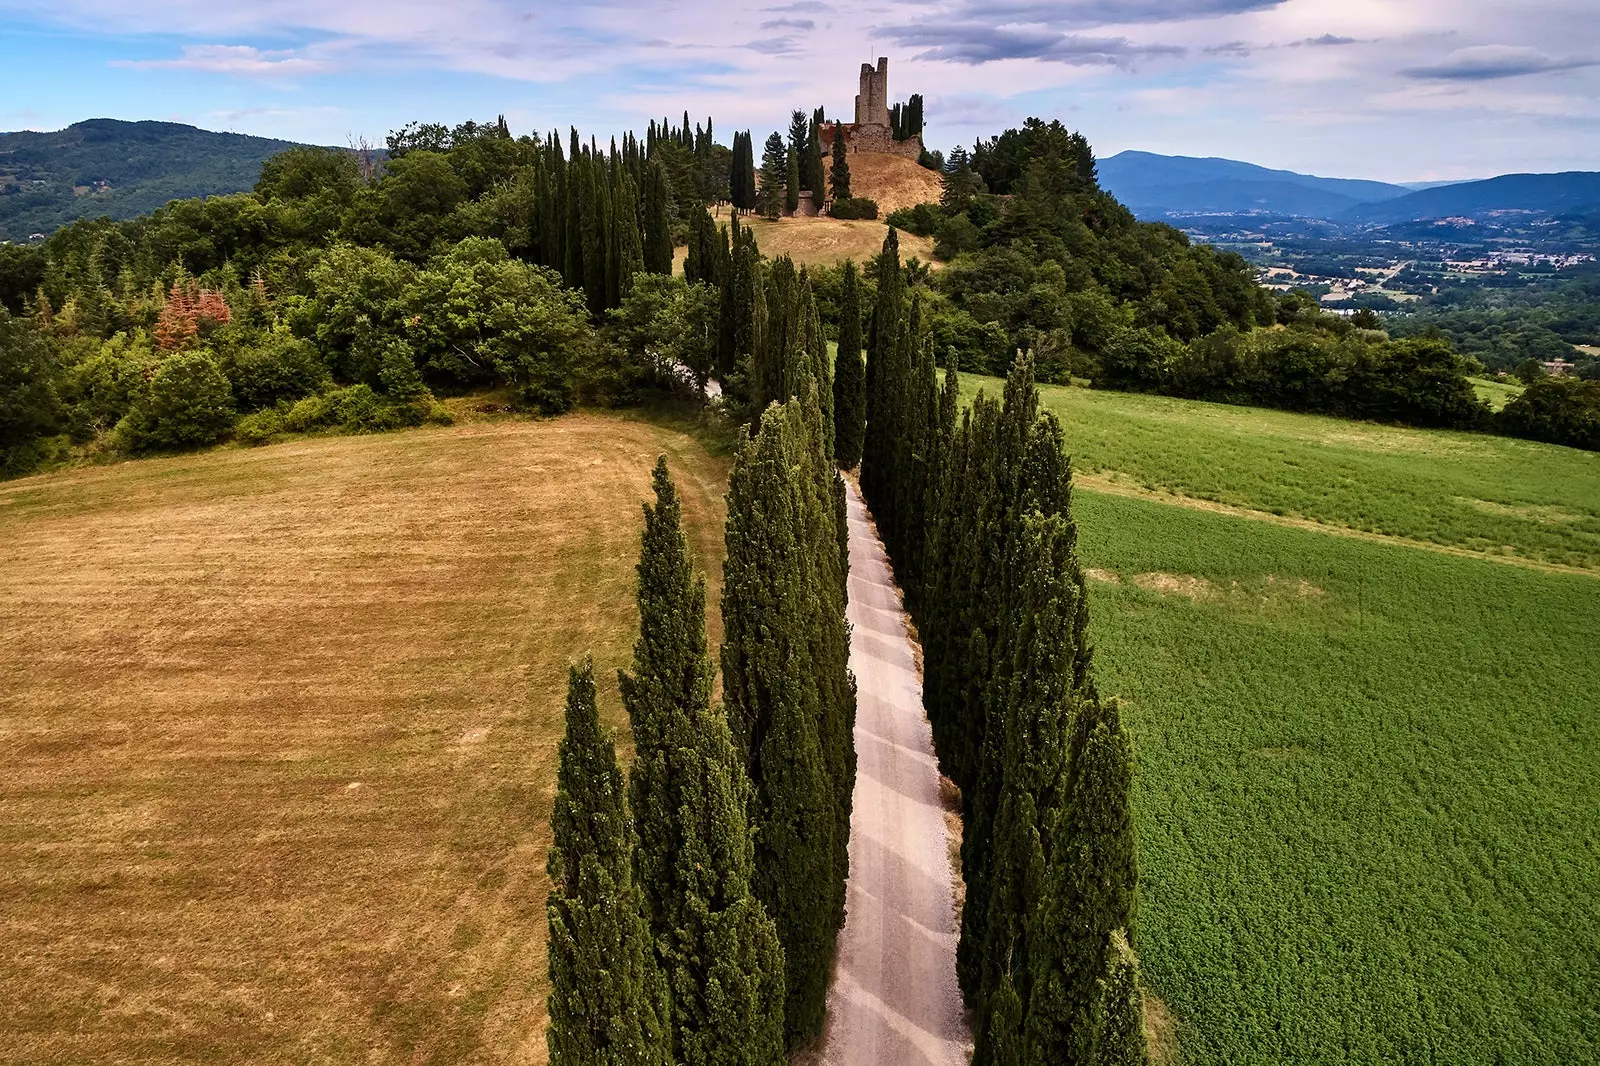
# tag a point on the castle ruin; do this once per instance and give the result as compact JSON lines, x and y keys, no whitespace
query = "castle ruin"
{"x":871,"y":132}
{"x":872,"y":102}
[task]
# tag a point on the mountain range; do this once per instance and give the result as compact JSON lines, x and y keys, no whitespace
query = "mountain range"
{"x":108,"y":167}
{"x":1165,"y":187}
{"x":123,"y":169}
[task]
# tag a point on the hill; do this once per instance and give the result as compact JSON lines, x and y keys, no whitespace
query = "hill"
{"x":1572,"y":192}
{"x":120,"y":169}
{"x":281,"y":728}
{"x":1154,"y":185}
{"x":893,"y":181}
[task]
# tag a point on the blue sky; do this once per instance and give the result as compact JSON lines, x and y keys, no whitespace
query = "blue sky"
{"x":1389,"y":89}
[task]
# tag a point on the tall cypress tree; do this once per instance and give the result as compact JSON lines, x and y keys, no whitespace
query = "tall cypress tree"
{"x":849,"y":375}
{"x":839,"y":175}
{"x":608,"y":1001}
{"x":1122,"y":1036}
{"x":716,"y":943}
{"x":1087,"y":897}
{"x":774,"y":598}
{"x":815,"y":177}
{"x":627,"y":236}
{"x":888,"y":320}
{"x":657,"y":219}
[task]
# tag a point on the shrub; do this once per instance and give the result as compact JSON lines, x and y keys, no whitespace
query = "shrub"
{"x":854,"y":207}
{"x":310,"y":413}
{"x":1557,"y":410}
{"x":279,"y":368}
{"x":923,"y":220}
{"x":103,"y":387}
{"x":260,"y":427}
{"x":188,"y":404}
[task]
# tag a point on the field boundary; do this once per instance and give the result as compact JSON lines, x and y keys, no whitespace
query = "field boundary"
{"x":1110,"y":485}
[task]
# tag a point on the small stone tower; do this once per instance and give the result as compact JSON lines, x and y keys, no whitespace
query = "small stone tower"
{"x":872,"y":103}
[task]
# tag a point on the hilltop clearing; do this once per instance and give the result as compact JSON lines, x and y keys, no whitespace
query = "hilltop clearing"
{"x":893,"y":181}
{"x":280,"y":735}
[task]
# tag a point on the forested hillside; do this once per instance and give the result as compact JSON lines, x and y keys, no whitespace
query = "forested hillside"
{"x":118,"y":169}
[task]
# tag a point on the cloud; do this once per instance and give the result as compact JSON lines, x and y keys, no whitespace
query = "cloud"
{"x":776,"y":46}
{"x":975,"y":43}
{"x":1085,"y":13}
{"x":1490,"y":61}
{"x":815,"y":7}
{"x":1237,"y":49}
{"x":789,"y":24}
{"x":231,"y":59}
{"x":1326,"y":40}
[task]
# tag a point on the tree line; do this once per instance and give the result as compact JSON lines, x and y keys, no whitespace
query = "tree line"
{"x":975,"y":509}
{"x":693,"y":917}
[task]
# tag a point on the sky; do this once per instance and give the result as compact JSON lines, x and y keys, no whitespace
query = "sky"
{"x":1394,"y":90}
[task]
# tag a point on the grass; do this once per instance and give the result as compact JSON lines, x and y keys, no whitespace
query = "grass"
{"x":1366,"y":788}
{"x":1476,"y":492}
{"x":825,"y":241}
{"x":1496,"y":393}
{"x":279,"y":731}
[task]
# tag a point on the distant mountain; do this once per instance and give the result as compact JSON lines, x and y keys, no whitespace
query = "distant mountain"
{"x":1159,"y":185}
{"x":108,"y":167}
{"x":1573,"y":192}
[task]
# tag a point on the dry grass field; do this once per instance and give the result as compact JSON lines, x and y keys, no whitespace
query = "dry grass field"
{"x":277,"y":734}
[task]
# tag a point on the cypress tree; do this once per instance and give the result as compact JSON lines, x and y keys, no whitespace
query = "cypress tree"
{"x":888,"y":318}
{"x":1088,"y":895}
{"x":701,"y":264}
{"x":849,"y":375}
{"x":815,"y":177}
{"x":716,"y":943}
{"x":657,"y":210}
{"x":607,"y":1000}
{"x":573,"y":239}
{"x":627,"y":235}
{"x":595,"y":246}
{"x":840,"y":173}
{"x":772,"y":605}
{"x":774,"y":175}
{"x":1122,"y":1037}
{"x":791,"y":184}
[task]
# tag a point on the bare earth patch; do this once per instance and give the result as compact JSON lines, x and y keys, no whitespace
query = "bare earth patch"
{"x":277,"y":734}
{"x":1161,"y":1030}
{"x":1105,"y":577}
{"x":1186,"y":585}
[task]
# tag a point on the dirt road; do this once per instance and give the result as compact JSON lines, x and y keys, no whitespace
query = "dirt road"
{"x":894,"y":1000}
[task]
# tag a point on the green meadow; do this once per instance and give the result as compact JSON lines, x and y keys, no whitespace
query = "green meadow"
{"x":1366,"y":791}
{"x":1369,"y":818}
{"x":1463,"y":490}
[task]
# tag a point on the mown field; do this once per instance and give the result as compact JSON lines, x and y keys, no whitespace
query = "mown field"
{"x":277,"y":734}
{"x":1366,"y":790}
{"x":1463,"y":490}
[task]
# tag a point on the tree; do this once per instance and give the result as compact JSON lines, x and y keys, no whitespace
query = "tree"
{"x":815,"y":178}
{"x":188,"y":404}
{"x":607,"y":999}
{"x":849,"y":375}
{"x":1088,"y":893}
{"x":30,"y":407}
{"x":657,"y":222}
{"x":774,"y":177}
{"x":840,"y":174}
{"x":742,"y":173}
{"x":777,"y":596}
{"x":690,"y":795}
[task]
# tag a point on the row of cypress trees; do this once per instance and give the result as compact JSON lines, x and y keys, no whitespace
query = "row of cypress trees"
{"x":975,"y":510}
{"x":694,"y":920}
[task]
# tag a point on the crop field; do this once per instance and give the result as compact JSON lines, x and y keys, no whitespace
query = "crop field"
{"x":1366,"y":788}
{"x":277,"y":735}
{"x":1485,"y":494}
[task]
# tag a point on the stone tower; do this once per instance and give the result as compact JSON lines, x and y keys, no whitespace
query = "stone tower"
{"x":872,"y":103}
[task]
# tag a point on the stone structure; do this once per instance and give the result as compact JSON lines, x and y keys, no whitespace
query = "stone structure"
{"x":872,"y":102}
{"x":870,"y":132}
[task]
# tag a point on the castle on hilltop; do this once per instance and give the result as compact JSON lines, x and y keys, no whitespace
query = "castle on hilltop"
{"x":872,"y":131}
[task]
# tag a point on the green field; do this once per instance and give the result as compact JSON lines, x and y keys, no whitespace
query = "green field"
{"x":1366,"y":795}
{"x":1464,"y":490}
{"x":1496,"y":393}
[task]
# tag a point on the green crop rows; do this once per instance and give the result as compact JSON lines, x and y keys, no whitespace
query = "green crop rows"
{"x":1368,"y":806}
{"x":1465,"y":490}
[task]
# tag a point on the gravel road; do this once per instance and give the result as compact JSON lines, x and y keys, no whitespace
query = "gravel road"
{"x":894,"y":1000}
